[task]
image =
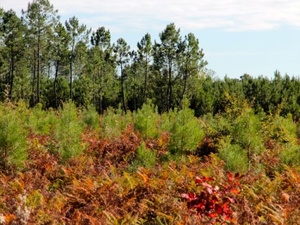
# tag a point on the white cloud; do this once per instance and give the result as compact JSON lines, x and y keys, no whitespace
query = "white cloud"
{"x":230,"y":15}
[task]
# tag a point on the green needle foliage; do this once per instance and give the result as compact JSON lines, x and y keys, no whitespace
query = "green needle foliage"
{"x":41,"y":121}
{"x":114,"y":122}
{"x":68,"y":132}
{"x":91,"y":117}
{"x":185,"y":130}
{"x":282,"y":129}
{"x":145,"y":121}
{"x":246,"y":132}
{"x":234,"y":156}
{"x":290,"y":155}
{"x":144,"y":158}
{"x":13,"y":153}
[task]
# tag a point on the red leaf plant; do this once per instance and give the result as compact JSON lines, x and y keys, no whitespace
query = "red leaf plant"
{"x":214,"y":204}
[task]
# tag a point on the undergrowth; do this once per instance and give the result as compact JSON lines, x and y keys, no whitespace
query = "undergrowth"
{"x":76,"y":167}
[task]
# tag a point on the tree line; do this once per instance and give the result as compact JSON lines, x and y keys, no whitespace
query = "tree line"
{"x":46,"y":61}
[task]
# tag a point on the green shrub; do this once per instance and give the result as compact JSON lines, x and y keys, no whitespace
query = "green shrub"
{"x":144,"y":158}
{"x":185,"y":131}
{"x":91,"y":117}
{"x":246,"y":132}
{"x":114,"y":122}
{"x":68,"y":132}
{"x":145,"y":121}
{"x":41,"y":121}
{"x":282,"y":129}
{"x":234,"y":156}
{"x":290,"y":155}
{"x":216,"y":126}
{"x":13,"y":152}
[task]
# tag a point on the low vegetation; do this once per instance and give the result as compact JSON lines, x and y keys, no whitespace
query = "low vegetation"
{"x":76,"y":167}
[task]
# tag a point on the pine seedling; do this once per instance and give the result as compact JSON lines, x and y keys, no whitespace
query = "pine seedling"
{"x":68,"y":132}
{"x":185,"y":131}
{"x":13,"y":152}
{"x":145,"y":121}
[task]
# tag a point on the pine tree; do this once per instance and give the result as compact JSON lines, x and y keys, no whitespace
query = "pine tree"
{"x":165,"y":55}
{"x":79,"y":38}
{"x":60,"y":55}
{"x":144,"y":58}
{"x":101,"y":66}
{"x":122,"y":58}
{"x":190,"y":60}
{"x":40,"y":18}
{"x":12,"y":30}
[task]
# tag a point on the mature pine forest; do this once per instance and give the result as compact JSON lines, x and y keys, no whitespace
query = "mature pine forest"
{"x":44,"y":60}
{"x":94,"y":132}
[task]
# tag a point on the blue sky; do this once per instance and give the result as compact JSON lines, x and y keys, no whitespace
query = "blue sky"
{"x":238,"y":36}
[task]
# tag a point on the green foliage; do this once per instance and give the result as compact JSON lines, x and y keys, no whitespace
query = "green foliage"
{"x":185,"y":131}
{"x":144,"y":158}
{"x":91,"y":117}
{"x":206,"y":96}
{"x":216,"y":126}
{"x":282,"y":129}
{"x":246,"y":131}
{"x":110,"y":123}
{"x":290,"y":155}
{"x":146,"y":121}
{"x":114,"y":122}
{"x":235,"y":157}
{"x":83,"y":91}
{"x":68,"y":132}
{"x":121,"y":50}
{"x":53,"y":95}
{"x":41,"y":121}
{"x":13,"y":152}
